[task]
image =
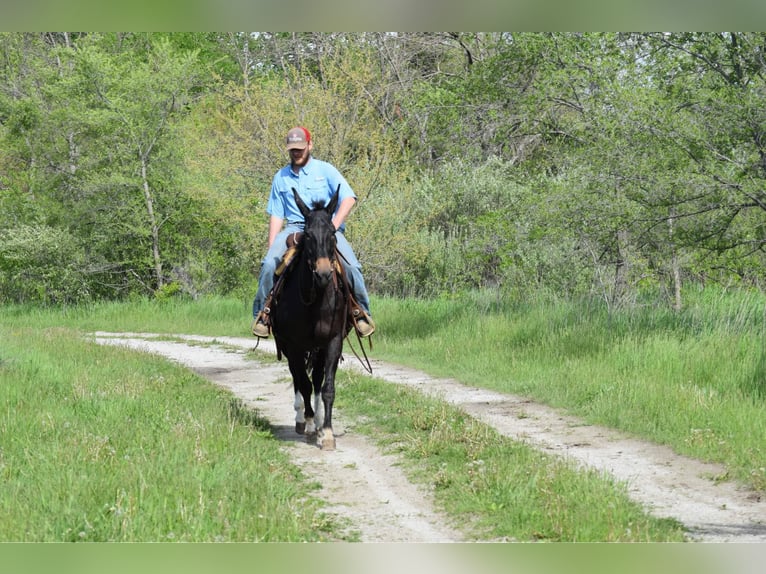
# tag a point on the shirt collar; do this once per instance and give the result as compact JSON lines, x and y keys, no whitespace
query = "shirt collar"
{"x":302,"y":170}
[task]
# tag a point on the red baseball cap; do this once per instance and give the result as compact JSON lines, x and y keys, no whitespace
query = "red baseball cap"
{"x":298,"y":138}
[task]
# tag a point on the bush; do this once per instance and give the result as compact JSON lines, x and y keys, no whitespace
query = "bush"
{"x":41,"y":264}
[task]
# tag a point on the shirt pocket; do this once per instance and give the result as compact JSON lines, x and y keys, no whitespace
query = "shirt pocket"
{"x":317,"y":191}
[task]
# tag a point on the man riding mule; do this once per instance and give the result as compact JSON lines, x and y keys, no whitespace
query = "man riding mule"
{"x":310,"y":317}
{"x":316,"y":182}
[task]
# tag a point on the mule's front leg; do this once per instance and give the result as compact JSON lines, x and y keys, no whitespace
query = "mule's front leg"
{"x":304,"y":414}
{"x":328,"y":398}
{"x":300,"y":417}
{"x":317,"y":379}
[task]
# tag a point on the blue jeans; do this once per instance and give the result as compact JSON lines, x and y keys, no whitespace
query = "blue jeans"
{"x":274,"y":255}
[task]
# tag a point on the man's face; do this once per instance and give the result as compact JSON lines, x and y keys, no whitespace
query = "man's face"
{"x":299,"y":157}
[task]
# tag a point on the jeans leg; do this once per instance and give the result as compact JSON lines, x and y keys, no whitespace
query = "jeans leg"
{"x":265,"y":283}
{"x":268,"y":267}
{"x":358,"y":287}
{"x":354,"y":272}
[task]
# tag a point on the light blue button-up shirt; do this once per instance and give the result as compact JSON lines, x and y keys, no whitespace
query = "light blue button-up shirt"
{"x":315,"y":182}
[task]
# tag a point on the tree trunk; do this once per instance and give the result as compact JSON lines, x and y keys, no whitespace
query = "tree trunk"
{"x":621,"y":269}
{"x":153,"y":223}
{"x":675,"y":268}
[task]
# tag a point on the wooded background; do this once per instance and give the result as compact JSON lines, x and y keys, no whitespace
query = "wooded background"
{"x":615,"y":165}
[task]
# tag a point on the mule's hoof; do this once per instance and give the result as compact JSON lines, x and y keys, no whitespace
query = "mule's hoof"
{"x":328,"y":439}
{"x":300,"y":428}
{"x":328,"y":444}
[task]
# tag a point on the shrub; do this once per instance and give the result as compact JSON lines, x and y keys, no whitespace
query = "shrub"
{"x":41,"y":264}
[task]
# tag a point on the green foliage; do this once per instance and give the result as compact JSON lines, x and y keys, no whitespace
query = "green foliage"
{"x":167,"y":291}
{"x":476,"y":226}
{"x":581,"y":163}
{"x":42,"y":264}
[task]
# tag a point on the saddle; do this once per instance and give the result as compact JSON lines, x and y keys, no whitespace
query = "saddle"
{"x":293,"y":248}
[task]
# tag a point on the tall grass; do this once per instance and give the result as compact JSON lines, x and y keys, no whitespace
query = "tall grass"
{"x":211,"y":316}
{"x":694,"y":380}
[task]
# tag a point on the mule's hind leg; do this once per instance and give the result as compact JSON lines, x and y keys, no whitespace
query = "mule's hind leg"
{"x":308,"y":426}
{"x":310,"y":429}
{"x":318,"y":411}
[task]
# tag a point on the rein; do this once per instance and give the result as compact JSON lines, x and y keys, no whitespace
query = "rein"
{"x":347,"y":290}
{"x":312,"y":290}
{"x":364,"y":360}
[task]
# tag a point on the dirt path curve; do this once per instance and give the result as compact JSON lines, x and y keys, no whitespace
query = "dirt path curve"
{"x":370,"y":491}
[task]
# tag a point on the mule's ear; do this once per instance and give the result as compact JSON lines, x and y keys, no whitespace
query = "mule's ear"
{"x":333,"y":201}
{"x":302,"y":206}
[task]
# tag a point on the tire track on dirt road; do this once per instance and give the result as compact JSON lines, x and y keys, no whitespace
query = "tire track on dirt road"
{"x":665,"y":483}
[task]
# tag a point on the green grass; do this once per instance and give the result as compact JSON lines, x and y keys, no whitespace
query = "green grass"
{"x":213,"y":316}
{"x":107,"y":444}
{"x":695,"y":380}
{"x":493,"y":487}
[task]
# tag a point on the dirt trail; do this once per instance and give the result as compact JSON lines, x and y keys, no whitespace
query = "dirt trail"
{"x":366,"y":489}
{"x":369,"y":490}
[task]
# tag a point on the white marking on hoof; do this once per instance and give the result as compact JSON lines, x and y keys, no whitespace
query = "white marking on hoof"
{"x":311,"y":427}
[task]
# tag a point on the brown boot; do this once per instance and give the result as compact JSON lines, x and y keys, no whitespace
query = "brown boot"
{"x":260,"y":329}
{"x":363,"y":323}
{"x":262,"y":322}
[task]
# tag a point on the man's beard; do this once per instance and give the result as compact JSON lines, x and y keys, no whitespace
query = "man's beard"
{"x":301,"y":163}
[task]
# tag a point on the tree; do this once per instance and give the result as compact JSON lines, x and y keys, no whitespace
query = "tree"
{"x":133,"y":100}
{"x":716,"y":84}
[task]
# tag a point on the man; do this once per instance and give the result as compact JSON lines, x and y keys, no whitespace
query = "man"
{"x":315,"y":180}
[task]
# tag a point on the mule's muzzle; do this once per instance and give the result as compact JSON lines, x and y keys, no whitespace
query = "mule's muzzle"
{"x":323,"y":271}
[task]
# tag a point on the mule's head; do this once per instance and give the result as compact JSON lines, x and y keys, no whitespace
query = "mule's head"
{"x":319,"y":236}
